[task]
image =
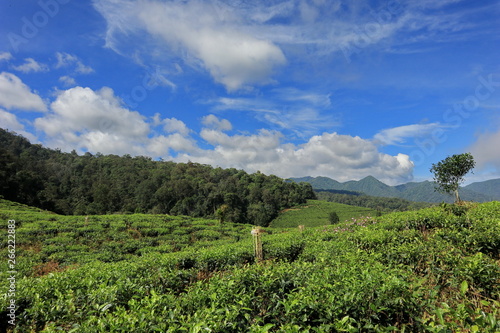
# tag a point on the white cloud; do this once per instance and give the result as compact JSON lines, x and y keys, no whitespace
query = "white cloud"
{"x":212,"y":121}
{"x":303,"y":121}
{"x":31,"y":65}
{"x":14,"y":94}
{"x":340,"y":157}
{"x":173,"y":125}
{"x":399,"y":135}
{"x":67,"y":80}
{"x":245,"y":104}
{"x":5,"y":56}
{"x":163,"y":146}
{"x":95,"y":121}
{"x":242,"y":43}
{"x":295,"y":95}
{"x":485,"y":150}
{"x":303,"y":113}
{"x":10,"y":122}
{"x":196,"y":33}
{"x":69,"y":60}
{"x":349,"y":27}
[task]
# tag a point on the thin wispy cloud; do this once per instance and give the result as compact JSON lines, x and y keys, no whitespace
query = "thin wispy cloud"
{"x":72,"y":61}
{"x":195,"y":33}
{"x":401,"y":135}
{"x":242,"y":45}
{"x":301,"y":112}
{"x":5,"y":56}
{"x":67,"y":80}
{"x":31,"y":65}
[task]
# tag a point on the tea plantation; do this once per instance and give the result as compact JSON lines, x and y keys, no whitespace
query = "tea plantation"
{"x":432,"y":270}
{"x":315,"y":213}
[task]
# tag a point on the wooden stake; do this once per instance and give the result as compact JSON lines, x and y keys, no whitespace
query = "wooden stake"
{"x":257,"y":243}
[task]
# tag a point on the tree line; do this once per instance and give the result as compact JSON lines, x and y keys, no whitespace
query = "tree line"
{"x":68,"y":183}
{"x":381,"y":204}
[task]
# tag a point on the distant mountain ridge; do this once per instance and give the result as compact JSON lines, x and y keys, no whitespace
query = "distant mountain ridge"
{"x":414,"y":191}
{"x":488,"y":187}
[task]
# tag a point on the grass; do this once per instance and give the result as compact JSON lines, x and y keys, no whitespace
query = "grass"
{"x":315,"y":213}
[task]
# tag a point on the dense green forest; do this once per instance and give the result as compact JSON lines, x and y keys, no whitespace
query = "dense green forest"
{"x":361,"y":200}
{"x":68,"y":183}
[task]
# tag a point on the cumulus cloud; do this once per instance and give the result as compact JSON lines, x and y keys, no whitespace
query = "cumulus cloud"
{"x":97,"y":121}
{"x":14,"y":94}
{"x":485,"y":150}
{"x":67,"y":80}
{"x":31,"y":65}
{"x":174,"y":125}
{"x":94,"y":121}
{"x":399,"y":135}
{"x":169,"y":145}
{"x":341,"y":157}
{"x":212,"y":121}
{"x":197,"y":34}
{"x":65,"y":60}
{"x":10,"y":122}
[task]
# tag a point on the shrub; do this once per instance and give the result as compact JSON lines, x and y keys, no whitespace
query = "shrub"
{"x":333,"y":218}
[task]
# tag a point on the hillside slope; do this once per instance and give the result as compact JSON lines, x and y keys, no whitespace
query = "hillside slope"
{"x":420,"y":271}
{"x":315,"y":213}
{"x":489,"y":187}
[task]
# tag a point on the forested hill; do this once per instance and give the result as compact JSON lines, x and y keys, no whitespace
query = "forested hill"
{"x":68,"y":183}
{"x":383,"y":204}
{"x":416,"y":191}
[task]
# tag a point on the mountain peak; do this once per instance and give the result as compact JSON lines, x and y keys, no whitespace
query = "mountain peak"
{"x":370,"y":179}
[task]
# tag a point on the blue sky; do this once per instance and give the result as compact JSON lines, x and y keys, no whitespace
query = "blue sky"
{"x":343,"y":89}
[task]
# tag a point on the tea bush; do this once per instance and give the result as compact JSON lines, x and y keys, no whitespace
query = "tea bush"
{"x":423,"y":271}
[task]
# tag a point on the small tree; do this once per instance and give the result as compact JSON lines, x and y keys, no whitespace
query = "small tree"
{"x":450,"y":172}
{"x":221,"y":213}
{"x":333,"y":217}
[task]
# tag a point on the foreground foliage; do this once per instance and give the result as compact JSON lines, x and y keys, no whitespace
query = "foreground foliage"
{"x":433,"y":270}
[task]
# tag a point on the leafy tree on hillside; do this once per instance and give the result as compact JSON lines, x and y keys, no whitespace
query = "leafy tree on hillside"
{"x":333,"y":217}
{"x":221,"y":213}
{"x":450,"y":172}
